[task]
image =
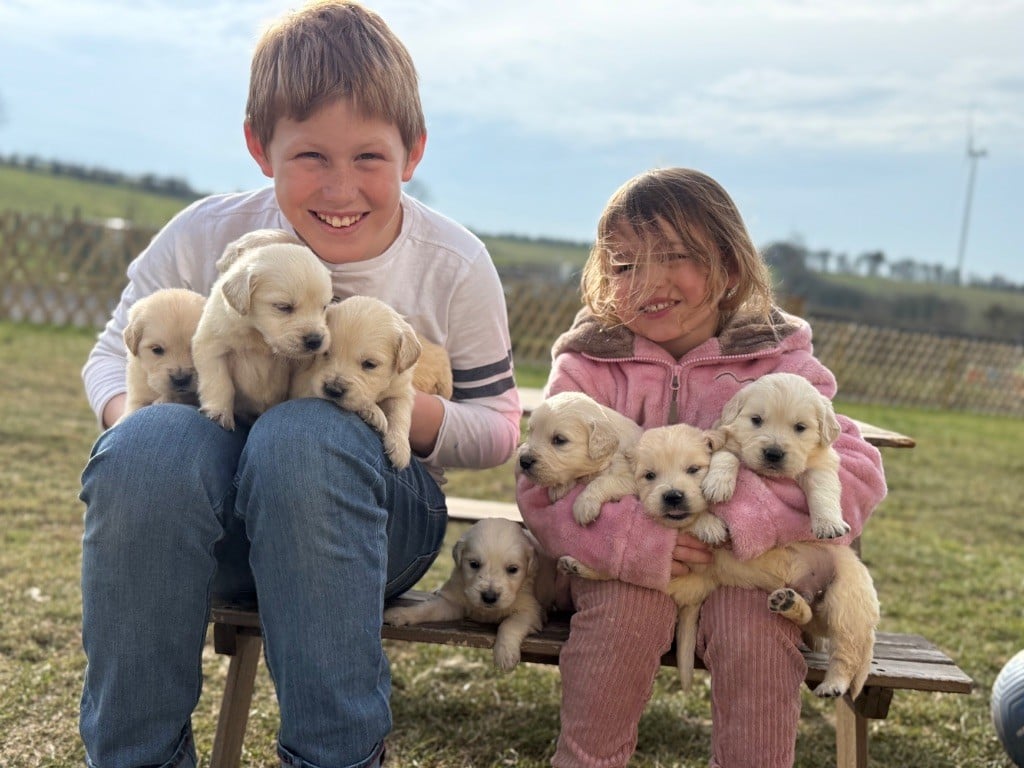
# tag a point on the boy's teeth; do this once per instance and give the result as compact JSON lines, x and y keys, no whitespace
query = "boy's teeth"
{"x":338,"y":221}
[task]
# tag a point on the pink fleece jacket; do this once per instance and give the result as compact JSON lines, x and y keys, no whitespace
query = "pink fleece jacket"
{"x":638,"y":378}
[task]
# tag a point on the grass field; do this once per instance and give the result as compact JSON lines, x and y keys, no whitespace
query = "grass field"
{"x":945,"y":550}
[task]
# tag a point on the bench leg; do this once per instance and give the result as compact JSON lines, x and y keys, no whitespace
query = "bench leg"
{"x":851,"y":736}
{"x":234,"y":707}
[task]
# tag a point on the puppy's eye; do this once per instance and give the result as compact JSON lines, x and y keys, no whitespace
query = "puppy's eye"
{"x":559,"y":440}
{"x":799,"y":427}
{"x":369,"y":365}
{"x":757,"y":421}
{"x":650,"y":475}
{"x":511,"y":570}
{"x":474,"y":564}
{"x":693,"y":469}
{"x":285,"y":309}
{"x":157,"y":350}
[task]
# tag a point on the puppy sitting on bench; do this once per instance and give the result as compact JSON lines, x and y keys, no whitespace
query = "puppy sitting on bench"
{"x":501,"y":577}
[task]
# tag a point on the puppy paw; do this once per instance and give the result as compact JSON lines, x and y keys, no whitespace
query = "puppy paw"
{"x":398,"y":617}
{"x":506,"y":655}
{"x":586,"y":510}
{"x":574,"y":567}
{"x":830,"y":690}
{"x":789,"y":604}
{"x":718,"y":486}
{"x":398,"y":451}
{"x":829,"y":529}
{"x":226,"y":418}
{"x":711,"y":530}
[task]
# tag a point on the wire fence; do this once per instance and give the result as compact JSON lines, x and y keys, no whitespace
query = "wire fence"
{"x":72,"y":273}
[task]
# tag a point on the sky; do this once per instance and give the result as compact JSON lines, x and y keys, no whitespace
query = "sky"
{"x":841,"y":125}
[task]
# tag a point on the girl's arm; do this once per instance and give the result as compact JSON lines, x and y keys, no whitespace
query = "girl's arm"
{"x":623,"y":543}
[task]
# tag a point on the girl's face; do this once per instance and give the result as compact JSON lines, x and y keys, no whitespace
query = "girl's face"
{"x":664,"y":296}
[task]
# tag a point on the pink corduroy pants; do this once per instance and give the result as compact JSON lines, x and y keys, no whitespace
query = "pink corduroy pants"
{"x":618,"y":635}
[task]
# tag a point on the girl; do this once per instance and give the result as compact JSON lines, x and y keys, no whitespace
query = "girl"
{"x":678,"y":316}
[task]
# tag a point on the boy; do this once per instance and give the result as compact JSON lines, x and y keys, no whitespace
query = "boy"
{"x":303,"y":508}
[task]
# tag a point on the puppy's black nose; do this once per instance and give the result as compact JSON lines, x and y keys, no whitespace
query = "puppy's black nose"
{"x":334,"y":392}
{"x":526,"y":461}
{"x":675,"y":499}
{"x":489,"y":596}
{"x":181,"y":380}
{"x":773,"y":454}
{"x":312,"y":341}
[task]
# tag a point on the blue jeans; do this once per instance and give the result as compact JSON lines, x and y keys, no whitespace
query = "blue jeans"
{"x":175,"y":505}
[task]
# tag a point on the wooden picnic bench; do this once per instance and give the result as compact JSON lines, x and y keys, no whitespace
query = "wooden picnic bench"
{"x":900,"y":662}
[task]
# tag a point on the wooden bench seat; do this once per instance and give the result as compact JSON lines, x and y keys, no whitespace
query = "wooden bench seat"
{"x":901,"y":661}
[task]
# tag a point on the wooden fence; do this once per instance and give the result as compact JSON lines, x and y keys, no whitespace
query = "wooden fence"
{"x":72,"y":273}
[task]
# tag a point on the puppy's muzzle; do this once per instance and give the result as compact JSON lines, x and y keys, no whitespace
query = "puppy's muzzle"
{"x":312,"y":342}
{"x":526,"y":462}
{"x":675,"y":505}
{"x":490,"y":596}
{"x":335,"y":390}
{"x":181,"y":381}
{"x":774,"y":457}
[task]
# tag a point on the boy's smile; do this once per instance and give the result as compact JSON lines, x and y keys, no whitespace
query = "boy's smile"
{"x":338,"y":179}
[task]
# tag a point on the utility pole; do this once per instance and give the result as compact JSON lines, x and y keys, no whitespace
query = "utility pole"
{"x":973,"y":155}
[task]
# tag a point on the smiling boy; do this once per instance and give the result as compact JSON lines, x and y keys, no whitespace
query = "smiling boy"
{"x":303,"y":509}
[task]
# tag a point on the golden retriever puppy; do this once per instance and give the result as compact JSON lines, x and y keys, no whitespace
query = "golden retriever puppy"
{"x":367,"y":369}
{"x":433,"y":371}
{"x":781,"y":426}
{"x":255,"y":239}
{"x":501,"y":577}
{"x":266,"y":312}
{"x":824,"y":588}
{"x":572,"y":438}
{"x":158,"y":338}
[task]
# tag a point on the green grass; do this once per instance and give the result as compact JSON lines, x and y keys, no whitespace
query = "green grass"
{"x":944,"y":549}
{"x":43,"y":193}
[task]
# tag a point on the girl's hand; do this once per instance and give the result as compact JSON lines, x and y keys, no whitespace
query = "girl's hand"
{"x":688,"y":550}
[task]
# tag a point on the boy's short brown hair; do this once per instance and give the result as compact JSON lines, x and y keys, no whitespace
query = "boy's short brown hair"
{"x":707,"y":221}
{"x":326,"y":51}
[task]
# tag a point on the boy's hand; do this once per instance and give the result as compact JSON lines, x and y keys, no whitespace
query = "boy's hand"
{"x":689,"y":550}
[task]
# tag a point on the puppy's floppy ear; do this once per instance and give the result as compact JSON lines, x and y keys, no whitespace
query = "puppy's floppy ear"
{"x":830,"y":428}
{"x":133,"y":336}
{"x":409,"y":348}
{"x":732,"y":409}
{"x":715,"y":439}
{"x":237,"y":290}
{"x":604,"y":440}
{"x":458,"y":549}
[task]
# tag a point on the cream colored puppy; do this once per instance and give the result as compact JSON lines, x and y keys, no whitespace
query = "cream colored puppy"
{"x":824,"y":588}
{"x":255,"y":239}
{"x":158,"y":338}
{"x":780,"y":426}
{"x":501,"y":577}
{"x":265,"y":313}
{"x":433,"y":371}
{"x":572,"y":438}
{"x":367,"y":369}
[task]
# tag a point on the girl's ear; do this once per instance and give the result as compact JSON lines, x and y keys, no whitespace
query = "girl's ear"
{"x":257,"y":151}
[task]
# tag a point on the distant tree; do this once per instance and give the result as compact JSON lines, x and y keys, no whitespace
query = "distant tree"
{"x":872,"y":261}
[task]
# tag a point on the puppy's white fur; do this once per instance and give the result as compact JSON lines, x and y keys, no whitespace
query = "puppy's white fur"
{"x":501,"y":576}
{"x":780,"y":426}
{"x":367,"y":369}
{"x":265,"y":312}
{"x":572,"y":438}
{"x":825,"y":588}
{"x":158,"y":338}
{"x":257,"y":238}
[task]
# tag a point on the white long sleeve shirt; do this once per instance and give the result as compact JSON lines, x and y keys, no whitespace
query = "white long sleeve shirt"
{"x":437,"y":274}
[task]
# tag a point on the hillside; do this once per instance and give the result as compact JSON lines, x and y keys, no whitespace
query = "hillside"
{"x":971,"y":310}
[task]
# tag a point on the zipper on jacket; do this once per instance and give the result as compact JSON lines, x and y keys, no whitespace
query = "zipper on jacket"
{"x":673,"y":406}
